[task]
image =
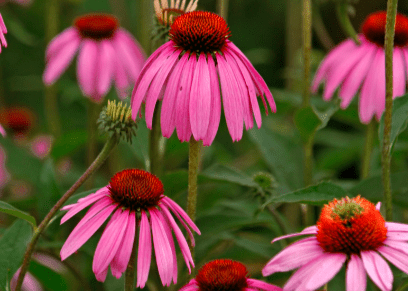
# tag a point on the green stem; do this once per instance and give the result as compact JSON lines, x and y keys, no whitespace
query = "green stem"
{"x":93,"y":113}
{"x":110,"y":144}
{"x":131,"y":267}
{"x":146,"y":24}
{"x":321,"y":32}
{"x":307,"y":49}
{"x":194,"y":155}
{"x":222,"y":8}
{"x":155,"y":151}
{"x":386,"y":149}
{"x":368,"y":149}
{"x":50,"y":102}
{"x":344,"y":19}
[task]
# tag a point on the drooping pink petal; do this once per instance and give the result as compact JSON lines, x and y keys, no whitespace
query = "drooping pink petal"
{"x":399,"y":73}
{"x":257,"y":284}
{"x":2,"y":131}
{"x":82,"y":233}
{"x":148,"y":72}
{"x":3,"y":27}
{"x":156,"y":86}
{"x":110,"y":241}
{"x":87,"y":65}
{"x":356,"y":76}
{"x":399,"y":245}
{"x":339,"y":72}
{"x":102,"y":203}
{"x":308,"y":230}
{"x":356,"y":279}
{"x":397,"y":257}
{"x":339,"y":52}
{"x":166,"y":226}
{"x":242,"y":90}
{"x":200,"y":99}
{"x":30,"y":283}
{"x":60,"y":60}
{"x":215,"y":112}
{"x":178,"y":210}
{"x":145,"y":251}
{"x":183,"y":125}
{"x":168,"y":110}
{"x":190,"y":286}
{"x":180,"y":238}
{"x":377,"y":269}
{"x":373,"y":87}
{"x":101,"y":277}
{"x":122,"y":256}
{"x":378,"y":206}
{"x":293,"y":256}
{"x":162,"y":249}
{"x":105,"y":68}
{"x":317,"y":272}
{"x":137,"y":51}
{"x":60,"y":41}
{"x":396,"y":227}
{"x":230,"y":98}
{"x":121,"y":78}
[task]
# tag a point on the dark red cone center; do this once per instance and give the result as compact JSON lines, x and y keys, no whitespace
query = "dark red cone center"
{"x":96,"y":26}
{"x":18,"y":119}
{"x":222,"y":275}
{"x":199,"y":31}
{"x":374,"y":29}
{"x":134,"y":188}
{"x":350,"y":226}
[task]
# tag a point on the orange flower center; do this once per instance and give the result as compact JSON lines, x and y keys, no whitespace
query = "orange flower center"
{"x":374,"y":29}
{"x":96,"y":26}
{"x":350,"y":226}
{"x":18,"y":119}
{"x":222,"y":275}
{"x":199,"y":31}
{"x":133,"y":188}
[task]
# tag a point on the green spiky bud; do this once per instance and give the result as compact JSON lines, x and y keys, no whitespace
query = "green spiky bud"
{"x":265,"y":181}
{"x":116,"y":119}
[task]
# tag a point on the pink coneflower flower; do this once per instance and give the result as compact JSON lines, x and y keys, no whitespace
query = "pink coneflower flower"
{"x":351,"y":232}
{"x":186,"y":73}
{"x":224,"y":274}
{"x":350,"y":66}
{"x":131,"y":193}
{"x":106,"y":52}
{"x":41,"y":145}
{"x":3,"y":31}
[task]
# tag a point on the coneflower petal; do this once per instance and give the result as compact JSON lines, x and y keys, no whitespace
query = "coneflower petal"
{"x":356,"y":279}
{"x":145,"y":251}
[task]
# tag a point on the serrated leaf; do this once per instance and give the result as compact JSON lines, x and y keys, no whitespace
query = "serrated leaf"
{"x":9,"y":209}
{"x":224,"y":173}
{"x":399,"y":119}
{"x":317,"y":194}
{"x":13,"y":244}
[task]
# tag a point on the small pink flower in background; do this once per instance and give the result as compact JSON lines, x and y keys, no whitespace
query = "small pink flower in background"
{"x":41,"y":145}
{"x":130,"y":193}
{"x":351,"y":232}
{"x":166,"y":12}
{"x":30,"y":283}
{"x":354,"y":68}
{"x":2,"y":131}
{"x":106,"y":53}
{"x":3,"y":31}
{"x":20,"y":2}
{"x":224,"y":274}
{"x":186,"y":73}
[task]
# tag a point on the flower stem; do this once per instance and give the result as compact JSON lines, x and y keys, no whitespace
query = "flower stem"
{"x":194,"y":155}
{"x":386,"y":149}
{"x":93,"y":113}
{"x":50,"y":102}
{"x":130,"y":270}
{"x":222,"y":8}
{"x":110,"y":144}
{"x":155,"y":150}
{"x":368,"y":149}
{"x":307,"y":49}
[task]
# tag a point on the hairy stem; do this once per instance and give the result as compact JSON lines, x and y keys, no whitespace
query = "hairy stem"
{"x":222,"y":8}
{"x":307,"y":49}
{"x":110,"y":144}
{"x":155,"y":150}
{"x":93,"y":113}
{"x":386,"y":149}
{"x":368,"y":149}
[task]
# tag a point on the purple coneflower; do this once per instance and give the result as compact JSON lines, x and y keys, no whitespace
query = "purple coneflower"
{"x":132,"y":195}
{"x":3,"y":31}
{"x":350,"y":231}
{"x":350,"y":66}
{"x":186,"y":73}
{"x":224,"y":274}
{"x":106,"y":52}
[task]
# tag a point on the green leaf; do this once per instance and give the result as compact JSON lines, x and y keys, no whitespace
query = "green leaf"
{"x":17,"y":29}
{"x":224,"y":173}
{"x":307,"y":122}
{"x":317,"y":194}
{"x":50,"y":192}
{"x":12,"y":248}
{"x":399,"y":118}
{"x":68,"y":143}
{"x":283,"y":155}
{"x":9,"y":209}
